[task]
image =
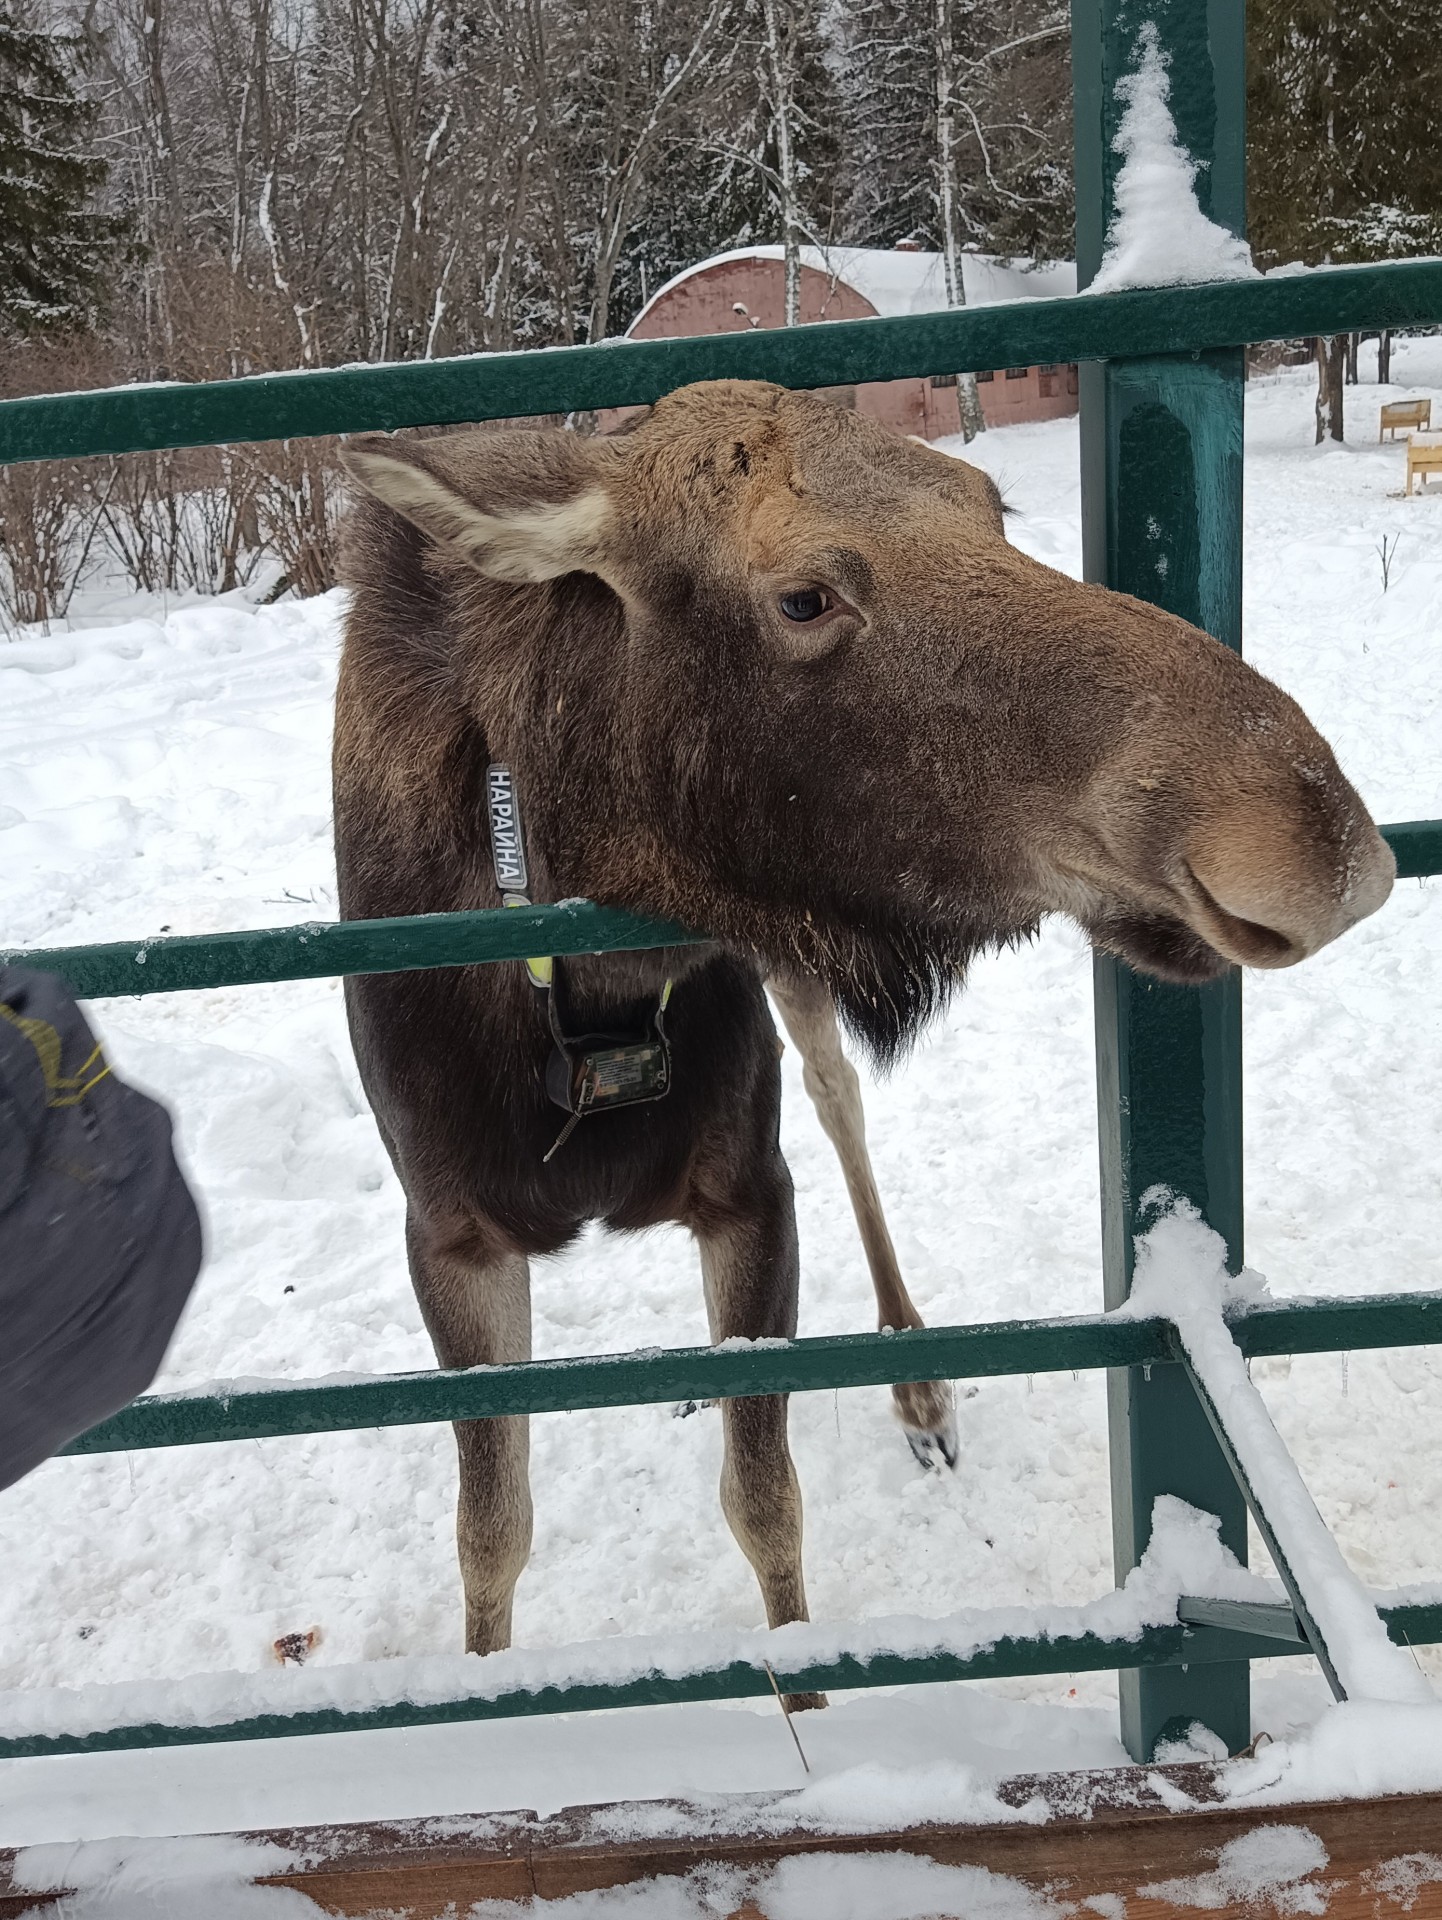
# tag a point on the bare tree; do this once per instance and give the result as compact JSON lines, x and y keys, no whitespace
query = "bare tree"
{"x":957,"y":120}
{"x":321,"y":181}
{"x":944,"y":55}
{"x":781,"y":88}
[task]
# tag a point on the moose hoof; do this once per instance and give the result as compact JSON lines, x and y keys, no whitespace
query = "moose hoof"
{"x":928,"y":1419}
{"x":934,"y":1450}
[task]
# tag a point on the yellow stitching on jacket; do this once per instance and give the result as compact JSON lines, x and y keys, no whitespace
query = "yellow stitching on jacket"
{"x":64,"y":1090}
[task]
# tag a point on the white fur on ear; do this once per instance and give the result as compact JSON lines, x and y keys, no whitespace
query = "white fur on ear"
{"x":533,"y":543}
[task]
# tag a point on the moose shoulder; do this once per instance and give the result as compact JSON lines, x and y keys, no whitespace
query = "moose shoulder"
{"x":763,"y":668}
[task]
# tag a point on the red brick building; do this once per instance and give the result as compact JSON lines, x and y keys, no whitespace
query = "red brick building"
{"x":736,"y":291}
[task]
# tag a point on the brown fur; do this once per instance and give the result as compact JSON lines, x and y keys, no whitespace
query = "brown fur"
{"x":965,"y":742}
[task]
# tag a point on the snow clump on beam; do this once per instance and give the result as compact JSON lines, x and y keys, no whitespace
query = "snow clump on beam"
{"x":1159,"y":236}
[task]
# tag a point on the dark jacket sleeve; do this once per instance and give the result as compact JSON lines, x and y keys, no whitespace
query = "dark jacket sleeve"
{"x":99,"y":1237}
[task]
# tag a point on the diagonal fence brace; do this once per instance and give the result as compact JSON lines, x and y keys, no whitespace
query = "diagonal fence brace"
{"x":1329,"y":1602}
{"x":1181,"y":1279}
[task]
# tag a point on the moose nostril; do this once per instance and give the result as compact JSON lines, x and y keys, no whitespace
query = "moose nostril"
{"x":1276,"y":891}
{"x":1248,"y":929}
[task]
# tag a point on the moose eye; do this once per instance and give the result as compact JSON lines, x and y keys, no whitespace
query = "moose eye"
{"x":805,"y":604}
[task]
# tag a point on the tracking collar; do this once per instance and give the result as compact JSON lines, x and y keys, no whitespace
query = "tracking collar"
{"x":588,"y":1072}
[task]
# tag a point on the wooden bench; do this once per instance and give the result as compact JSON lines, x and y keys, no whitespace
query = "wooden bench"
{"x":1424,"y":456}
{"x":1404,"y":413}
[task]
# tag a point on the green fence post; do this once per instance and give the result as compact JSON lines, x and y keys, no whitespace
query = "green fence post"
{"x":1162,"y":518}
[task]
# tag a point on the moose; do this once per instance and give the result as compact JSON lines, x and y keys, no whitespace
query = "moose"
{"x":764,"y":668}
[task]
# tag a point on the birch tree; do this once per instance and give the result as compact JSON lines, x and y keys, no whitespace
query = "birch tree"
{"x":945,"y":61}
{"x":957,"y":123}
{"x":779,"y":33}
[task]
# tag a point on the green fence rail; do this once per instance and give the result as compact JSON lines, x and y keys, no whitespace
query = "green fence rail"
{"x":1153,"y":320}
{"x":171,"y":963}
{"x":184,"y":962}
{"x":237,"y":1410}
{"x":1161,"y":435}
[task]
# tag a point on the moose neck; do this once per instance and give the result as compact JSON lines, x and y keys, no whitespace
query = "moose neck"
{"x":600,"y":763}
{"x":668,"y":757}
{"x":545,"y":703}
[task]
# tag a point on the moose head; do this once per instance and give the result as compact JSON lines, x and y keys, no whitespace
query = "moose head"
{"x":789,"y":682}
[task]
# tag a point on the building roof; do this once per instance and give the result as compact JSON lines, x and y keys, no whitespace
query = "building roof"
{"x":898,"y":281}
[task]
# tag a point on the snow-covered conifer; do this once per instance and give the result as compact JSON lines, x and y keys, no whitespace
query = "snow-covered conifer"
{"x":55,"y":246}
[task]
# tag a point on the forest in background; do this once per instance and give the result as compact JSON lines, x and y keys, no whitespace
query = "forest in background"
{"x":196,"y":190}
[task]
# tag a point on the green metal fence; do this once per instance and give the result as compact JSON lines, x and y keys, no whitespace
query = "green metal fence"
{"x":1161,"y":450}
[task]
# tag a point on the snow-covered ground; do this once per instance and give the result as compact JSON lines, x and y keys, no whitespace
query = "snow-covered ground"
{"x":167,"y":769}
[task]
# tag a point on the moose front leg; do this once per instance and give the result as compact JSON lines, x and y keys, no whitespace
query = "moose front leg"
{"x":750,"y":1269}
{"x":925,"y":1408}
{"x":477,"y":1308}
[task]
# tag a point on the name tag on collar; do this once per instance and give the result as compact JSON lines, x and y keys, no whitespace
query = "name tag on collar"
{"x":508,"y":840}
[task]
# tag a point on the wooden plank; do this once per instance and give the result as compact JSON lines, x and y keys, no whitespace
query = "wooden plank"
{"x":1115,"y":1834}
{"x":1112,"y":1834}
{"x":1404,"y":413}
{"x":414,"y":1867}
{"x":1424,"y":456}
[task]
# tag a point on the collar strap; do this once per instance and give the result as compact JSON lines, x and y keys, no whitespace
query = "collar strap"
{"x":508,"y":859}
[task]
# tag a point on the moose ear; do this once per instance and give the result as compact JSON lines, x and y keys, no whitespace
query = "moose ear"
{"x":525,"y":507}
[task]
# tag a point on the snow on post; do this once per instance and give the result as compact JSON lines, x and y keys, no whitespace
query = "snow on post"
{"x":1159,"y":236}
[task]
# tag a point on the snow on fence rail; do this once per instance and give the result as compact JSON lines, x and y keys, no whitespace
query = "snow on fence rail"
{"x":1152,"y":1620}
